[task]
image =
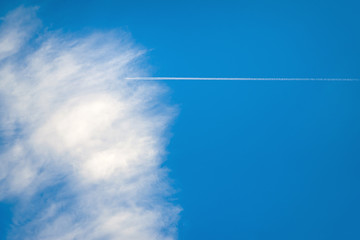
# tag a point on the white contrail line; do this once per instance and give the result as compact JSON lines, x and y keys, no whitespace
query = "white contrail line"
{"x":239,"y":79}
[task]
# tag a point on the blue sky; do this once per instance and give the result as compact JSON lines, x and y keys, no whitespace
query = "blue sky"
{"x":250,"y":160}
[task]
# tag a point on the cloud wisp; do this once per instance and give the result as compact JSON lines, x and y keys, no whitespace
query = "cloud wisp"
{"x":237,"y":79}
{"x":83,"y":147}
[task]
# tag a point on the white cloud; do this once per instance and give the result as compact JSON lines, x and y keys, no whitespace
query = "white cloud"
{"x":84,"y":146}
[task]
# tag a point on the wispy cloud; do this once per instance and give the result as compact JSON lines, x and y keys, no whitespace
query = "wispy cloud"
{"x":237,"y":79}
{"x":83,"y":146}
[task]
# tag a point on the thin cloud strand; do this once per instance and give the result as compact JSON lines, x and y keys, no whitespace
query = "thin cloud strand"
{"x":237,"y":79}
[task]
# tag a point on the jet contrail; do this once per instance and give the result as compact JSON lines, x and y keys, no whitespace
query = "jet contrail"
{"x":239,"y":79}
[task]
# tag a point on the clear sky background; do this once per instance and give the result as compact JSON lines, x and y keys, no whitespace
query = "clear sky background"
{"x":250,"y":160}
